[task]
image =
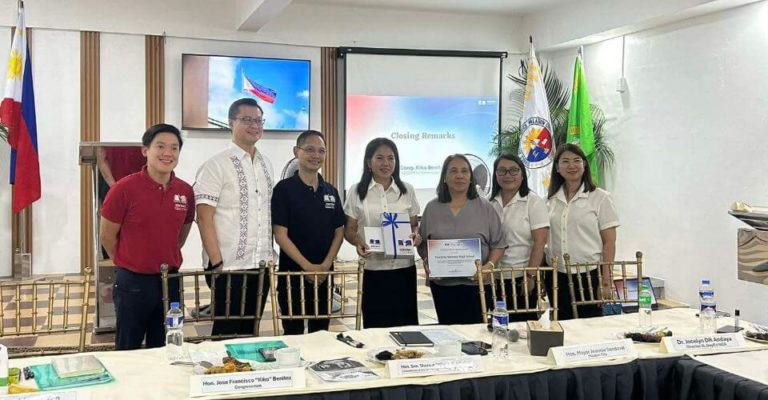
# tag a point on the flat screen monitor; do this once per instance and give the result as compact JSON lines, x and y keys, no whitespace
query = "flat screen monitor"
{"x":632,"y":293}
{"x":211,"y":83}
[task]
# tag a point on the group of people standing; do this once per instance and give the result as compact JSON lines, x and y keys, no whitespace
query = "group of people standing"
{"x":147,"y":216}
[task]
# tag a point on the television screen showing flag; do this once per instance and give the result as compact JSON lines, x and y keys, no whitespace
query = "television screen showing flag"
{"x":211,"y":83}
{"x":259,"y":91}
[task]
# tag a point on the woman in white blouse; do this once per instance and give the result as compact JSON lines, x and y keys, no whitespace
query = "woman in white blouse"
{"x":525,"y":222}
{"x":583,"y":223}
{"x":389,"y":295}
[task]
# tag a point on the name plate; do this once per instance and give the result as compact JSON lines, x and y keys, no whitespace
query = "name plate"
{"x":566,"y":355}
{"x":245,"y":382}
{"x":720,"y":341}
{"x":45,"y":396}
{"x":434,"y":366}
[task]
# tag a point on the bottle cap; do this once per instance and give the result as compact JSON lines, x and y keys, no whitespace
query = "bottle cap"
{"x":705,"y":281}
{"x":175,"y":304}
{"x":501,"y":304}
{"x":644,"y":286}
{"x":737,"y":312}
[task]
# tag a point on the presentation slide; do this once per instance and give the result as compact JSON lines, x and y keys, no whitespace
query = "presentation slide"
{"x":431,"y":107}
{"x":425,"y":129}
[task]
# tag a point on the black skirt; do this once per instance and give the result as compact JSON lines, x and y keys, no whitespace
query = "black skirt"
{"x":389,"y":298}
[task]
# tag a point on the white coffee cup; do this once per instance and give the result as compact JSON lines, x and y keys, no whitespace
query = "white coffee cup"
{"x":288,"y":357}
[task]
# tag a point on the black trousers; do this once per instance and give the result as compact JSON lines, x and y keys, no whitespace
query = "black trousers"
{"x":565,"y":309}
{"x":138,"y":303}
{"x":242,"y":326}
{"x":459,"y":304}
{"x":389,"y":298}
{"x":296,"y":326}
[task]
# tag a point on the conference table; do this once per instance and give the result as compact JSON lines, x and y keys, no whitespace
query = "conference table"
{"x":648,"y":374}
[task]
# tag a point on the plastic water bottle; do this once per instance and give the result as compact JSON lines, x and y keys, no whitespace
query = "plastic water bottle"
{"x":174,"y":338}
{"x":500,"y":339}
{"x":707,"y":296}
{"x":644,"y":307}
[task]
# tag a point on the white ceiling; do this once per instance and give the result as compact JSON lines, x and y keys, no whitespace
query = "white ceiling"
{"x":493,"y":7}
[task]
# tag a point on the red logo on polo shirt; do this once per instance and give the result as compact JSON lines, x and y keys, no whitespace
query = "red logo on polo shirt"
{"x":180,"y":202}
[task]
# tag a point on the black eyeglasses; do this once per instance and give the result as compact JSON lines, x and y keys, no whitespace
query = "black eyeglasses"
{"x":251,"y":121}
{"x":510,"y":171}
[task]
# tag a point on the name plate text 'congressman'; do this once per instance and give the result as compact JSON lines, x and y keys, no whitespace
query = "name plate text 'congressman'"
{"x":244,"y":382}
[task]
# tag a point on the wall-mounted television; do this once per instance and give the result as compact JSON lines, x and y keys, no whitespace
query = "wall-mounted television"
{"x":211,"y":83}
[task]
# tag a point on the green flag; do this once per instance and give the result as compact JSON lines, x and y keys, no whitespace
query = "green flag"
{"x":580,"y":118}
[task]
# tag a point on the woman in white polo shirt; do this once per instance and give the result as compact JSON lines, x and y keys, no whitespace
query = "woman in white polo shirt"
{"x":583,"y":223}
{"x":525,"y":222}
{"x":389,"y":295}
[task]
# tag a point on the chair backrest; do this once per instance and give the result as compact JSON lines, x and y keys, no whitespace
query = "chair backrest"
{"x":346,"y":282}
{"x":194,"y":298}
{"x":584,"y":293}
{"x":44,"y":306}
{"x":501,"y":282}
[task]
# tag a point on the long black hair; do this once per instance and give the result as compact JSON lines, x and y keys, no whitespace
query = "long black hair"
{"x":443,"y":193}
{"x":496,"y":188}
{"x":557,"y":180}
{"x":370,"y":150}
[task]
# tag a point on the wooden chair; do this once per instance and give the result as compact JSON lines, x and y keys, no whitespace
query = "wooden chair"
{"x":498,"y":275}
{"x":56,"y":299}
{"x":342,"y":278}
{"x":584,"y":294}
{"x":194,"y":318}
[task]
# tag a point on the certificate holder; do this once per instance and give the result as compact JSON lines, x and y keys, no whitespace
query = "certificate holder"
{"x":453,"y":258}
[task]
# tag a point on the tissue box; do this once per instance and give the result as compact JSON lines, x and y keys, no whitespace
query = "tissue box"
{"x":373,"y":239}
{"x":540,"y":339}
{"x":396,"y":234}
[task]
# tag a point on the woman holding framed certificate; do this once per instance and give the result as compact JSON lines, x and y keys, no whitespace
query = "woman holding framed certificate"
{"x":583,"y":222}
{"x":389,"y":295}
{"x":525,"y":221}
{"x":458,"y":227}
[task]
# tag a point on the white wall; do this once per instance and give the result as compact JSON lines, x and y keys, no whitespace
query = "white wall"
{"x":56,"y":221}
{"x":122,"y":87}
{"x":201,"y":145}
{"x":689,"y":138}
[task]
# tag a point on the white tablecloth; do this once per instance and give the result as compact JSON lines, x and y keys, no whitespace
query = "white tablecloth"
{"x":145,"y":374}
{"x":752,"y":365}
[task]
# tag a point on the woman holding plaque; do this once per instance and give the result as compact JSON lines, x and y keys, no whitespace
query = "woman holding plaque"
{"x":583,"y":223}
{"x":456,"y":217}
{"x":389,"y":295}
{"x":525,"y":221}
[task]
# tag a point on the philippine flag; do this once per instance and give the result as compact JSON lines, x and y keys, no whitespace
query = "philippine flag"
{"x":259,"y":91}
{"x":17,"y":113}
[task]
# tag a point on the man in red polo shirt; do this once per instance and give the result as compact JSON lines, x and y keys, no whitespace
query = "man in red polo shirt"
{"x":145,"y":220}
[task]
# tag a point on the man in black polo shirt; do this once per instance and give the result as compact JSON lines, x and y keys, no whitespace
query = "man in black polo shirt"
{"x":308,"y":223}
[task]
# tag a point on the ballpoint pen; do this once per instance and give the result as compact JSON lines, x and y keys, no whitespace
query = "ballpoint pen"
{"x":349,"y":341}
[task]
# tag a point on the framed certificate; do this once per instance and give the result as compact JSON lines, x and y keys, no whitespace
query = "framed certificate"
{"x":453,"y":258}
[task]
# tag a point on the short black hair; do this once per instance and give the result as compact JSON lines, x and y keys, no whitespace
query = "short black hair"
{"x":496,"y":188}
{"x":245,"y":101}
{"x":303,"y":136}
{"x":155,"y":130}
{"x":443,"y":193}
